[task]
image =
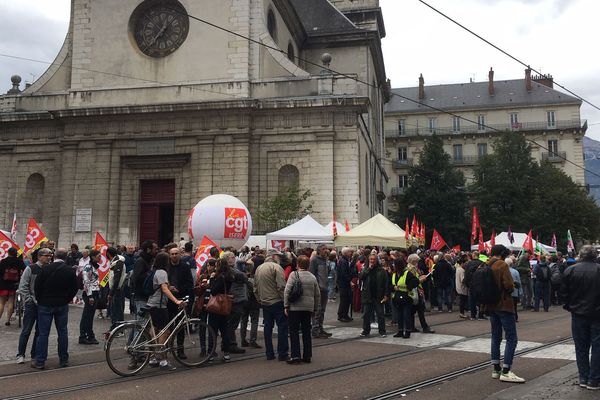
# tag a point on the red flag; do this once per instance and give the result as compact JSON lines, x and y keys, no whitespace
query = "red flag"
{"x":34,"y":237}
{"x":278,"y":244}
{"x":437,"y":242}
{"x":475,"y":225}
{"x":203,"y":252}
{"x":414,"y":229}
{"x":481,"y":246}
{"x":346,"y":225}
{"x":334,"y":226}
{"x":423,"y":238}
{"x":528,"y":243}
{"x":407,"y":231}
{"x":456,"y":249}
{"x":101,"y":245}
{"x":493,"y":238}
{"x":5,"y":244}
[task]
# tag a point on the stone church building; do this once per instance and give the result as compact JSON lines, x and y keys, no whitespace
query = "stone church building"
{"x":146,"y":110}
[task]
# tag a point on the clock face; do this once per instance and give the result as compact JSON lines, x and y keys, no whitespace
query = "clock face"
{"x":159,"y":27}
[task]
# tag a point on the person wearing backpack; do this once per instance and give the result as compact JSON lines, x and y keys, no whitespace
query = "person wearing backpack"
{"x":300,"y":310}
{"x":542,"y":284}
{"x":502,"y":315}
{"x":11,"y":269}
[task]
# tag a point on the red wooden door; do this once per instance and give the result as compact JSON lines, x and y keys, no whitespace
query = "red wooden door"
{"x":157,"y":212}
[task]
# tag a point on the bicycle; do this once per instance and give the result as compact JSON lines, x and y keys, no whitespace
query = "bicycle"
{"x":19,"y":308}
{"x":135,"y":341}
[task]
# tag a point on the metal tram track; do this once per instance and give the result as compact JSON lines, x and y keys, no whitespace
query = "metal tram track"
{"x":250,"y":389}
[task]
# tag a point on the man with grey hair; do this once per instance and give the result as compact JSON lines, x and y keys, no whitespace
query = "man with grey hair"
{"x":344,"y":275}
{"x":579,"y":290}
{"x":318,"y":267}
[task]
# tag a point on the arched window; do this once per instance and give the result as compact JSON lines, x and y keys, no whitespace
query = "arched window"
{"x":291,"y":54}
{"x":34,"y":197}
{"x":272,"y":24}
{"x":289,"y":177}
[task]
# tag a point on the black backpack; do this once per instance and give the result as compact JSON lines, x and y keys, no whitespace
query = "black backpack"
{"x":484,"y":286}
{"x":543,"y":273}
{"x":148,"y":286}
{"x":296,"y":290}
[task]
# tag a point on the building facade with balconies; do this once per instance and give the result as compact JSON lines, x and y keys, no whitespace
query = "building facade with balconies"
{"x":474,"y":116}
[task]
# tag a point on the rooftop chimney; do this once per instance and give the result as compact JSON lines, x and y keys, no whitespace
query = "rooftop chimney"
{"x":546,"y":80}
{"x":528,"y":84}
{"x":421,"y":87}
{"x":491,"y":90}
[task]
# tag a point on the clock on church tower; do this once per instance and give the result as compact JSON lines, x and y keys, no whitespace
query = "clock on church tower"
{"x":159,"y":27}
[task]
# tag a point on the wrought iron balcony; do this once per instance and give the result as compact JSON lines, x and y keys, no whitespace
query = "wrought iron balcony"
{"x":470,"y":128}
{"x":399,"y":164}
{"x":555,"y":156}
{"x":465,"y":160}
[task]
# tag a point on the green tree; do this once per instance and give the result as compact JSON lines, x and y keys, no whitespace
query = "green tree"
{"x":505,"y":185}
{"x":288,"y":206}
{"x":435,"y":194}
{"x":560,"y":204}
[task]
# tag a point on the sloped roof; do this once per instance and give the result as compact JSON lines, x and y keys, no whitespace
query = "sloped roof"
{"x":377,"y":231}
{"x":320,"y":17}
{"x":307,"y":229}
{"x":510,"y":93}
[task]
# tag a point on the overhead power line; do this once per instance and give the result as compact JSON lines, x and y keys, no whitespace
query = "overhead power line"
{"x":505,"y":52}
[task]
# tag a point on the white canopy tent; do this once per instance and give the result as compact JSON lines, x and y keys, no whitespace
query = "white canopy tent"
{"x":519,"y":239}
{"x":305,"y":230}
{"x":377,"y":231}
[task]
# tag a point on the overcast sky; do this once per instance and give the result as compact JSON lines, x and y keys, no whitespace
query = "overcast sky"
{"x":557,"y":37}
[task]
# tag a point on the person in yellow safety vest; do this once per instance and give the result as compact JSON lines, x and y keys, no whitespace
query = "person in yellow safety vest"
{"x":404,"y":295}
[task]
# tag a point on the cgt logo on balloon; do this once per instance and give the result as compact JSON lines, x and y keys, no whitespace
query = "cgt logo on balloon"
{"x":236,"y":223}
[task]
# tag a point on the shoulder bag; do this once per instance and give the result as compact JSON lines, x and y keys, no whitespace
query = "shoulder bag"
{"x":219,"y":304}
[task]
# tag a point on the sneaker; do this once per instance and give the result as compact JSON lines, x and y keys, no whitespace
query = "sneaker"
{"x":153,"y":363}
{"x":496,"y":374}
{"x":511,"y":377}
{"x":35,"y":365}
{"x":226,"y":357}
{"x":583,"y":385}
{"x":20,"y":360}
{"x":364,"y":334}
{"x":326,"y":333}
{"x":592,"y":386}
{"x":382,"y":335}
{"x":166,"y":366}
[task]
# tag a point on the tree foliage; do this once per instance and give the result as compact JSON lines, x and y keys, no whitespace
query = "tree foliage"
{"x":511,"y":189}
{"x":288,"y":206}
{"x":436,"y":194}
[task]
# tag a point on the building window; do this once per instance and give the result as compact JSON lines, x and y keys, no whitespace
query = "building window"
{"x":553,"y":147}
{"x":457,"y":152}
{"x":272,"y":24}
{"x":401,"y":127}
{"x":288,"y":177}
{"x":481,"y":150}
{"x":403,"y":181}
{"x":514,"y":119}
{"x":291,"y":54}
{"x":34,"y":195}
{"x":551,"y":119}
{"x":402,"y":153}
{"x":481,"y":122}
{"x":456,"y":124}
{"x":432,"y":125}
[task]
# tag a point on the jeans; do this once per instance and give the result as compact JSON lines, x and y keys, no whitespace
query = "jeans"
{"x":502,"y":320}
{"x":404,"y":317}
{"x":237,"y":309}
{"x":300,"y":321}
{"x":116,"y":308}
{"x":331,"y":287}
{"x":273,"y":314}
{"x":252,"y":315}
{"x":320,"y":314}
{"x":86,"y":326}
{"x":586,"y":334}
{"x":60,"y":315}
{"x":370,"y":308}
{"x":444,"y":294}
{"x":29,"y":320}
{"x":219,"y":324}
{"x":542,"y":292}
{"x":345,"y":300}
{"x":463,"y":299}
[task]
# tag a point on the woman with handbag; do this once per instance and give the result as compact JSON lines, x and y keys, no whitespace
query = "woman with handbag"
{"x":404,"y":283}
{"x":219,"y":304}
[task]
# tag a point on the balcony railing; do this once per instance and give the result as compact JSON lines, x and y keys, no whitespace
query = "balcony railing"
{"x":465,"y":160}
{"x":474,"y":128}
{"x":398,"y":191}
{"x":556,"y":156}
{"x":399,"y":164}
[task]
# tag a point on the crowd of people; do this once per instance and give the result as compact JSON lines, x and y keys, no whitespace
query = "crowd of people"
{"x":293,"y":289}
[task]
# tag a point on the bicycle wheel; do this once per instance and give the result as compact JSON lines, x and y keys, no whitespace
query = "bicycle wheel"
{"x":127,"y":352}
{"x":197,"y":347}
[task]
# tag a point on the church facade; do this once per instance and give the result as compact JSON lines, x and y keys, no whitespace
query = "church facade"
{"x":146,"y":110}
